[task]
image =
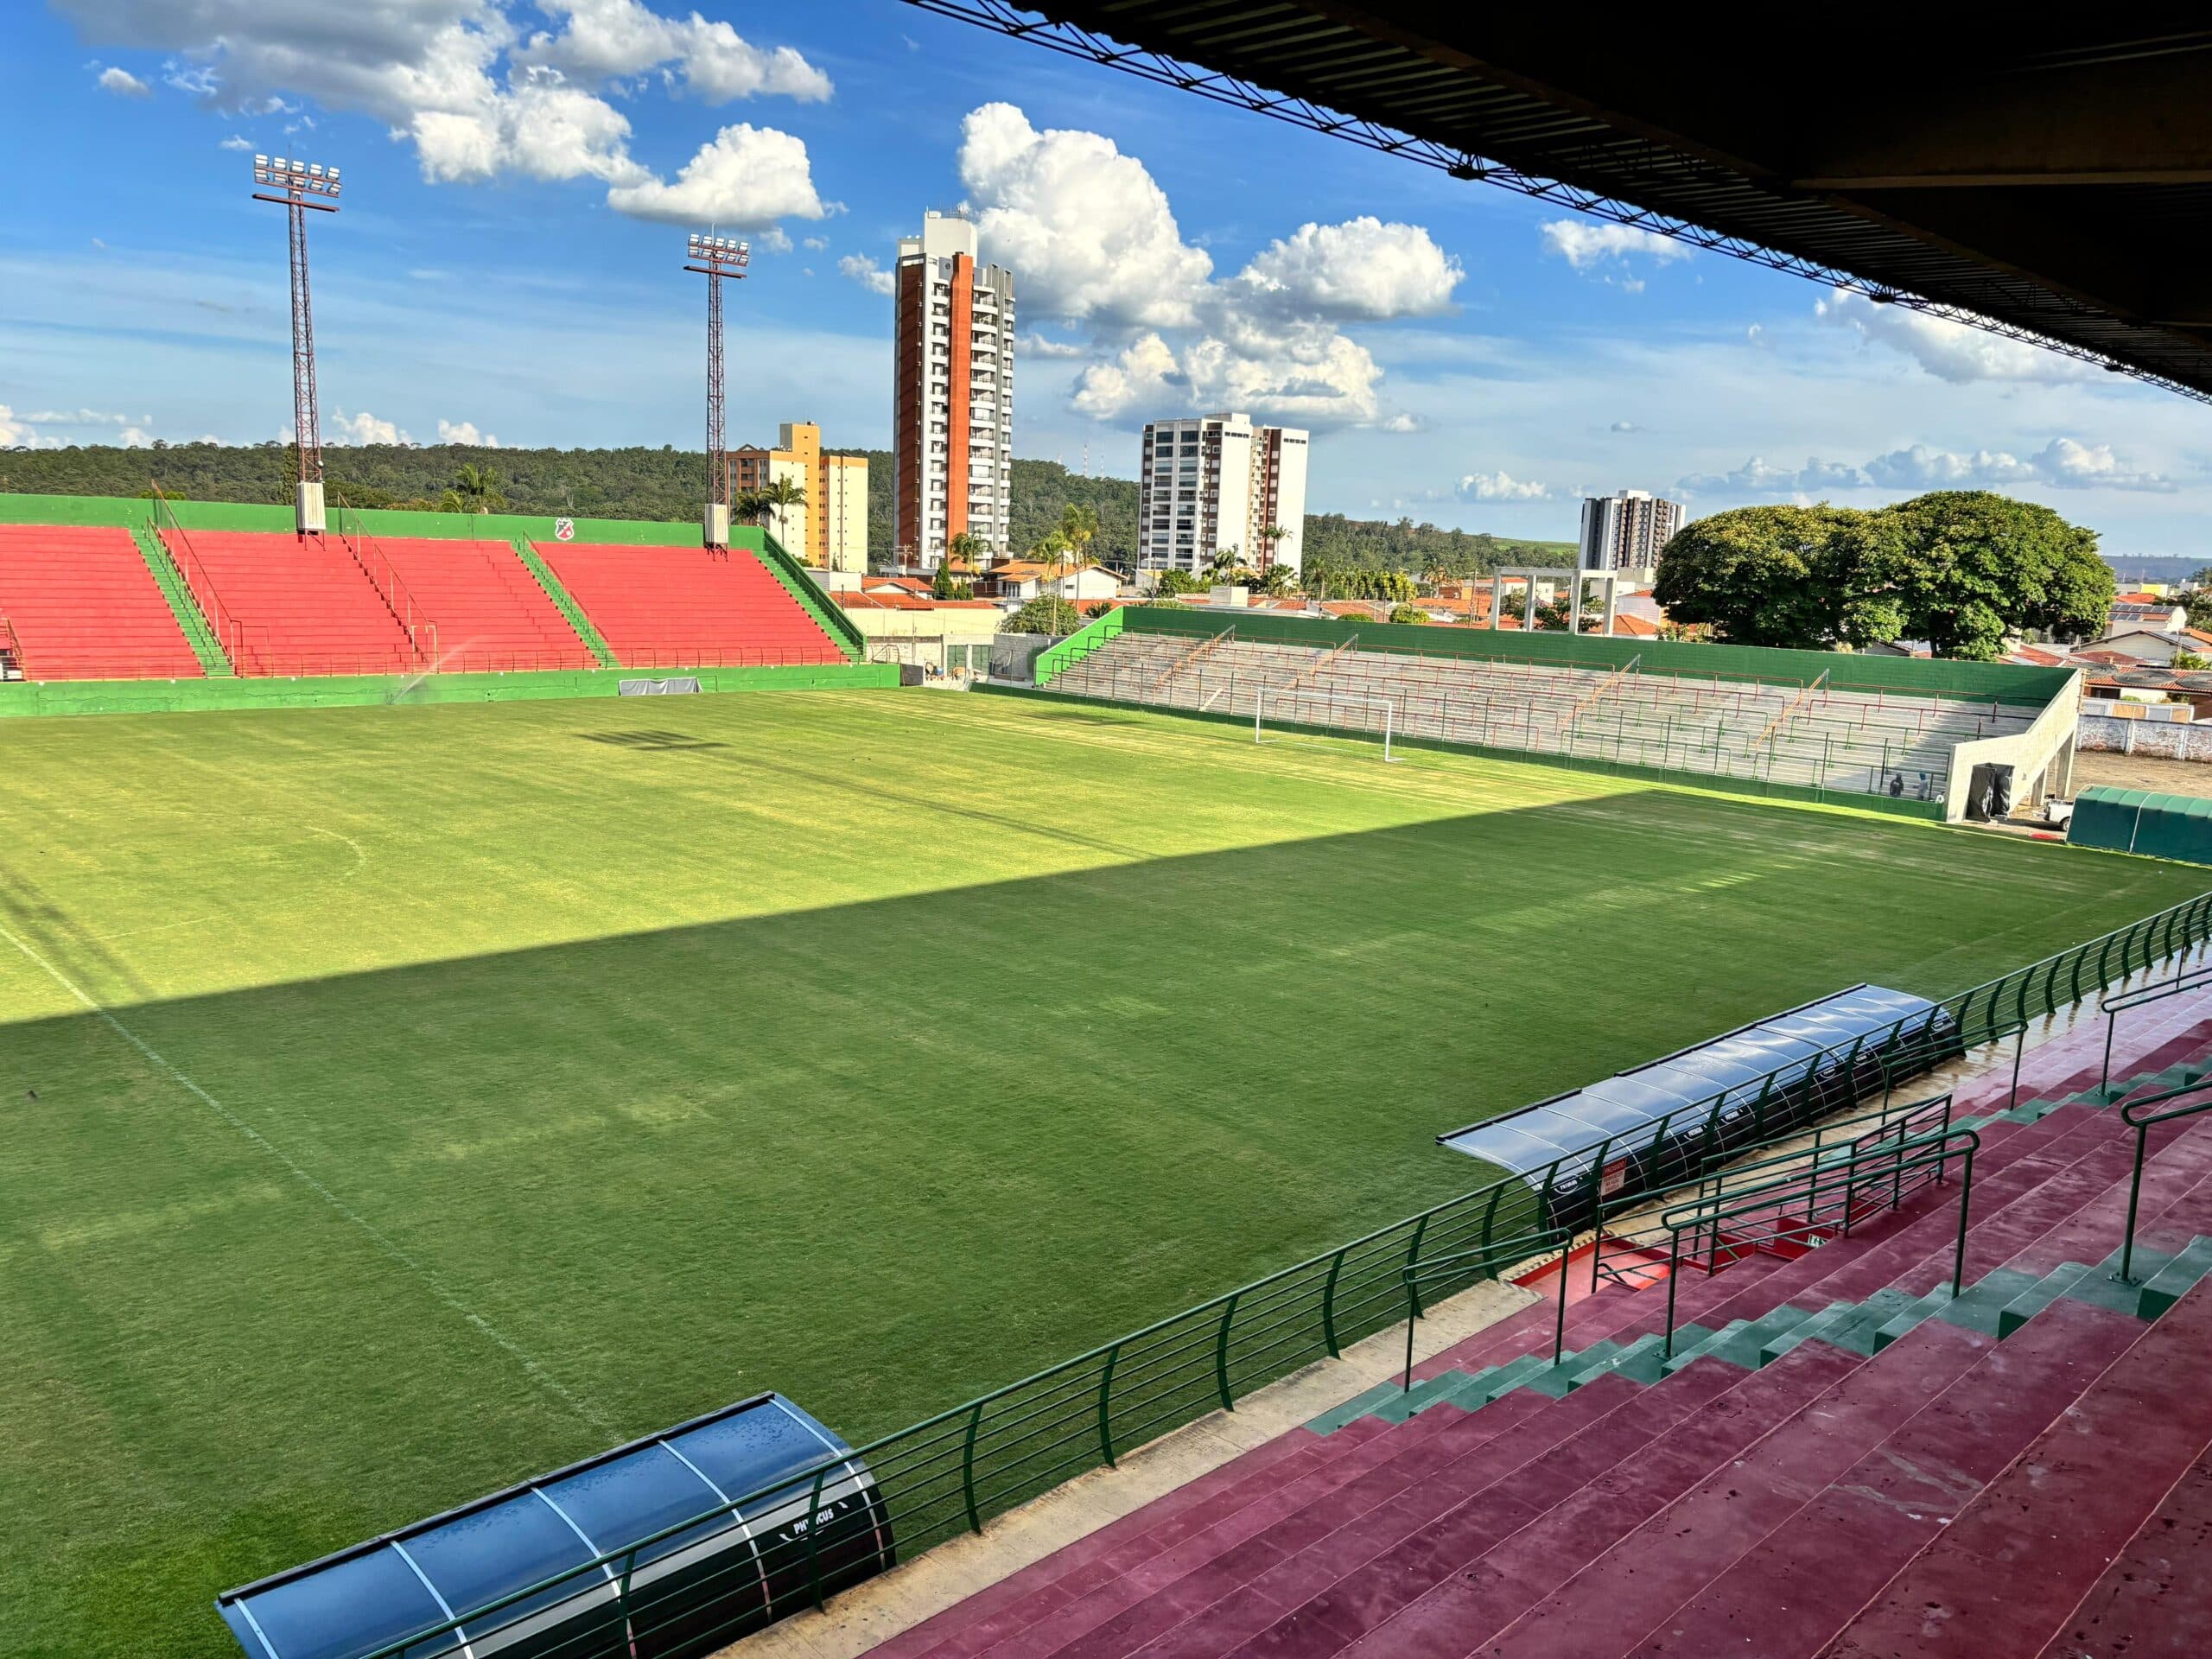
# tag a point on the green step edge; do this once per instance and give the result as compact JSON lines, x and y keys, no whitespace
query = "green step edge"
{"x":183,"y":606}
{"x":1998,"y":1303}
{"x":564,"y":602}
{"x":829,"y":615}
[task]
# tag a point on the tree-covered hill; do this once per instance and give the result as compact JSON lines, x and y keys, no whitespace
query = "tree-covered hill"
{"x":668,"y":483}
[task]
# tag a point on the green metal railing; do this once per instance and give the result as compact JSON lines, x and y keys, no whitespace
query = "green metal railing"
{"x":2138,"y":1116}
{"x":1795,"y":1209}
{"x":952,"y":1473}
{"x":2113,"y":1007}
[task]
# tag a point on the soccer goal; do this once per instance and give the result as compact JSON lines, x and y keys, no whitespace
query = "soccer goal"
{"x":1292,"y":708}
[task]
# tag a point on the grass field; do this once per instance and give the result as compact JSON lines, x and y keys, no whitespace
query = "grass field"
{"x":401,"y":1100}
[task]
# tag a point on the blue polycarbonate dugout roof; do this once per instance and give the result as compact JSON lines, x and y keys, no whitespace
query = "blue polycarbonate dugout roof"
{"x":416,"y":1580}
{"x":1733,"y":1068}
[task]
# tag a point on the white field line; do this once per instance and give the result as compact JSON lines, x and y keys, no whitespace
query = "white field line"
{"x":537,"y":1373}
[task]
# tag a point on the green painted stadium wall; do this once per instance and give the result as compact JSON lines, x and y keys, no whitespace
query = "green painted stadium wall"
{"x":27,"y":697}
{"x":1910,"y":676}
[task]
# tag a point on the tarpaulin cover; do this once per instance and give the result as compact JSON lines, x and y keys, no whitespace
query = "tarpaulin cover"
{"x":1803,"y":1051}
{"x":2142,"y":821}
{"x":692,"y":1591}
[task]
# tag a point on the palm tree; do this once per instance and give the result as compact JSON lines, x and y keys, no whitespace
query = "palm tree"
{"x":1224,"y":564}
{"x":474,"y":489}
{"x":1277,"y":580}
{"x":1271,"y":534}
{"x":1435,"y":576}
{"x":964,"y":549}
{"x":777,"y":497}
{"x":1050,"y":551}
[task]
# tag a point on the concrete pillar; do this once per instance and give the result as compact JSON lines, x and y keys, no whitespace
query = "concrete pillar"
{"x":1496,"y":601}
{"x":1528,"y":608}
{"x":1612,"y":600}
{"x":1574,"y":603}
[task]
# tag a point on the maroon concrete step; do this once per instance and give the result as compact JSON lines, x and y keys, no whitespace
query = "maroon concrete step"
{"x":1402,"y":1494}
{"x":1813,"y":1574}
{"x":1348,"y":1597}
{"x":1604,"y":1610}
{"x":2005,"y":1576}
{"x":2155,"y":1601}
{"x":1485,"y":1595}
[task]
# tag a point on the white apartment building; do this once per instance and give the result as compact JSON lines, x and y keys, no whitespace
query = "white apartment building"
{"x":1625,"y":531}
{"x":953,"y":397}
{"x":1218,"y":484}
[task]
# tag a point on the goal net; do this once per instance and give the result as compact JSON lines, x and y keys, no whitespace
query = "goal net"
{"x":1278,"y":716}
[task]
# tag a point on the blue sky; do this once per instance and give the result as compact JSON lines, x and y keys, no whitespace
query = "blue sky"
{"x":520,"y":176}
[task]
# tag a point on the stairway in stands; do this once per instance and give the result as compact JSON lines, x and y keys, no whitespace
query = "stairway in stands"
{"x":490,"y":612}
{"x":687,"y":607}
{"x":298,"y":605}
{"x":82,"y":605}
{"x":1838,"y":1457}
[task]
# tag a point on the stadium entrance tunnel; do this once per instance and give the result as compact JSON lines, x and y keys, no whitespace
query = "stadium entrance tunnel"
{"x":672,"y":1546}
{"x":1656,"y":1124}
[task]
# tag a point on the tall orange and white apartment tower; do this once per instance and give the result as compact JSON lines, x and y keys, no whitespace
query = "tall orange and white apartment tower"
{"x":952,"y":399}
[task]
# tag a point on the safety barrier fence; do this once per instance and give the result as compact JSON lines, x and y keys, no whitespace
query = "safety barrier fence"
{"x":951,"y":1473}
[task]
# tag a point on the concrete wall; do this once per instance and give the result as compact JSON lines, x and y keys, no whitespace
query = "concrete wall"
{"x":2181,"y":741}
{"x":2041,"y":757}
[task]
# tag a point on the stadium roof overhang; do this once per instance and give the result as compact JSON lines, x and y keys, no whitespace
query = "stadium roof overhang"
{"x":2047,"y":173}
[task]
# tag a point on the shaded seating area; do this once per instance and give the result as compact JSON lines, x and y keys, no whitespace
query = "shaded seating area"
{"x":79,"y":603}
{"x":686,"y":606}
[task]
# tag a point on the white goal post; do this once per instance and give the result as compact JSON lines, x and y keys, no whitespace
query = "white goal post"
{"x":1335,"y":700}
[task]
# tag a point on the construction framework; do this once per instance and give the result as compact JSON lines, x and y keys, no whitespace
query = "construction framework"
{"x":296,"y":186}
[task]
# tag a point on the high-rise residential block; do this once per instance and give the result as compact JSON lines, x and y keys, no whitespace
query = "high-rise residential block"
{"x":1625,"y":532}
{"x":828,"y":529}
{"x":952,"y":399}
{"x":1218,"y":484}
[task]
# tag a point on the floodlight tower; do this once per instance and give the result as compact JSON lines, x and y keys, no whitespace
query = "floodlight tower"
{"x":296,"y":186}
{"x":716,"y":257}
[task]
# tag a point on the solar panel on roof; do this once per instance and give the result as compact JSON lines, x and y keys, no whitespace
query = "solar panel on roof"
{"x":562,"y":1564}
{"x":1651,"y":1121}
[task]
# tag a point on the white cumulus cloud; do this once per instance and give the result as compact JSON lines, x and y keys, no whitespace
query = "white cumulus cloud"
{"x":745,"y":180}
{"x":122,"y":83}
{"x":456,"y":78}
{"x":1949,"y":351}
{"x":1093,"y":241}
{"x":1502,"y":485}
{"x":1759,"y":476}
{"x":1034,"y":344}
{"x":865,"y":271}
{"x":1586,"y":242}
{"x":465,"y":432}
{"x":1360,"y":269}
{"x":1088,"y":232}
{"x":2063,"y":463}
{"x":364,"y":427}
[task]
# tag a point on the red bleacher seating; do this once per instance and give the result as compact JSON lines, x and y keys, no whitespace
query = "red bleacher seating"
{"x":83,"y":605}
{"x":686,"y":607}
{"x":294,"y":606}
{"x":490,"y":612}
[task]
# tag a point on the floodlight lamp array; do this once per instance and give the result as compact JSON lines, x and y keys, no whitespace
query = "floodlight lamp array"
{"x":308,"y":178}
{"x":718,"y":250}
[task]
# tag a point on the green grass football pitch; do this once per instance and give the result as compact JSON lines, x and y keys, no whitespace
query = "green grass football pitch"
{"x":400,"y":1101}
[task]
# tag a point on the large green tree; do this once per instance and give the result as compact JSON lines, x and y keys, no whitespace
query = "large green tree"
{"x":1960,"y":569}
{"x":1976,"y":565}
